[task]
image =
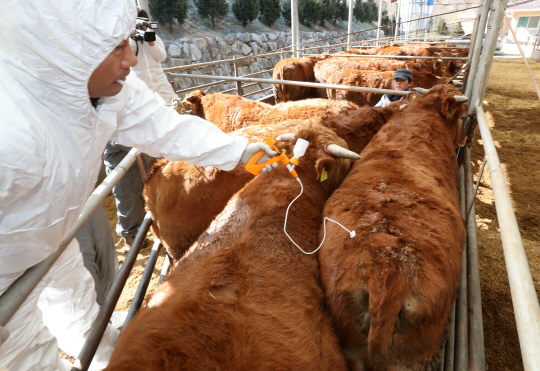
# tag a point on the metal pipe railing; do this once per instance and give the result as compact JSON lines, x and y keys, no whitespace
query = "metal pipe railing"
{"x":257,"y":92}
{"x":524,"y":299}
{"x":395,"y":56}
{"x":100,"y":324}
{"x":12,"y":299}
{"x":298,"y":83}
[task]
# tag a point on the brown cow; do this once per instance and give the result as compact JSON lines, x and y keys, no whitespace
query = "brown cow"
{"x":324,"y":69}
{"x":391,"y":287}
{"x":296,"y":69}
{"x":184,"y":198}
{"x":374,"y":79}
{"x":175,"y":189}
{"x":244,"y":297}
{"x":231,"y":112}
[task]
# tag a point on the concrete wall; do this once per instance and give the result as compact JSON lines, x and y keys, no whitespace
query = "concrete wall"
{"x":185,"y":51}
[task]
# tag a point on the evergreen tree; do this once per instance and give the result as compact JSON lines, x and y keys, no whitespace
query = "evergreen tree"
{"x":286,"y":12}
{"x":328,"y":10}
{"x":442,"y":28}
{"x":458,"y":31}
{"x":359,"y":11}
{"x":212,"y":9}
{"x":245,"y":11}
{"x":385,"y":21}
{"x":163,"y":11}
{"x":372,"y":11}
{"x":270,"y":11}
{"x":181,"y":11}
{"x":309,"y":12}
{"x":342,"y":10}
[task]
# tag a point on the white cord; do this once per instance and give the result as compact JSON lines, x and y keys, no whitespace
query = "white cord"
{"x":352,"y":234}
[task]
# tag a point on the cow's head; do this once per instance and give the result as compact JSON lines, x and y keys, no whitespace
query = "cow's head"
{"x":452,"y":106}
{"x":326,"y":152}
{"x":193,"y":102}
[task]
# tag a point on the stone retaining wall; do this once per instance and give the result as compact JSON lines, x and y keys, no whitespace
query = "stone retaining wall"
{"x":185,"y":51}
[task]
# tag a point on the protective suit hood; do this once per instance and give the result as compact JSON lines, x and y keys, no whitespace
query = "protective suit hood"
{"x":74,"y":38}
{"x":50,"y":139}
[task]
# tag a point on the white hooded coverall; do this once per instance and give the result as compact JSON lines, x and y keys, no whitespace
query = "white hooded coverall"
{"x":51,"y":141}
{"x":149,"y":70}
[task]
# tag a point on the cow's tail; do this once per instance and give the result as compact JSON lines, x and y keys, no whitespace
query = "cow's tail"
{"x":387,"y":293}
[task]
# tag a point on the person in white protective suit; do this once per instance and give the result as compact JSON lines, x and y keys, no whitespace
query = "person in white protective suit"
{"x":150,"y":55}
{"x":51,"y":141}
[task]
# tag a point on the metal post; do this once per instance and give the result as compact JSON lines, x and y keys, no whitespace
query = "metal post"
{"x":524,"y":299}
{"x":476,"y":45}
{"x":282,"y":54}
{"x":12,"y":299}
{"x":461,"y":340}
{"x":239,"y":91}
{"x":100,"y":324}
{"x":398,"y":19}
{"x":164,"y":269}
{"x":143,"y":284}
{"x":294,"y":27}
{"x":349,"y":26}
{"x":486,"y":59}
{"x":378,"y":23}
{"x":497,"y":24}
{"x":477,"y":358}
{"x":472,"y":51}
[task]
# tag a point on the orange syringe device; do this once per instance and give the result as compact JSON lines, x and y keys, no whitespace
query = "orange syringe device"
{"x":255,"y":167}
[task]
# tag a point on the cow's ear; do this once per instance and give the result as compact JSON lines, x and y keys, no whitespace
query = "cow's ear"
{"x":325,"y":168}
{"x":192,"y":98}
{"x":448,"y":102}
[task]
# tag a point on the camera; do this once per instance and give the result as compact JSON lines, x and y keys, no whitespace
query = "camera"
{"x":140,"y":35}
{"x":143,"y":22}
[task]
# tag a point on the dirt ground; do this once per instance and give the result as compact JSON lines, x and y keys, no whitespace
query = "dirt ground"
{"x":513,"y":112}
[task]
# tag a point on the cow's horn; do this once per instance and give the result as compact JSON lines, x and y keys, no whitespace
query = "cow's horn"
{"x":286,"y":137}
{"x":338,"y":151}
{"x":461,"y":98}
{"x":421,"y":90}
{"x":439,"y":60}
{"x":437,"y":54}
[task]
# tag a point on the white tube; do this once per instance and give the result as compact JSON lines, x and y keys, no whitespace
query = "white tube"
{"x":524,"y":299}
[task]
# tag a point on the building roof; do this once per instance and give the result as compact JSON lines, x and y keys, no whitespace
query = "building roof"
{"x":527,"y":4}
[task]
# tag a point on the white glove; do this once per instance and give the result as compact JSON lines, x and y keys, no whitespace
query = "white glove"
{"x":253,"y":148}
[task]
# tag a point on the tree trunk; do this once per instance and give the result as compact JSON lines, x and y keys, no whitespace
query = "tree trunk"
{"x":213,"y":23}
{"x":170,"y":27}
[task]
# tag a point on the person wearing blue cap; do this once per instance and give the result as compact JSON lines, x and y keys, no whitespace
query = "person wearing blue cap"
{"x":402,"y":80}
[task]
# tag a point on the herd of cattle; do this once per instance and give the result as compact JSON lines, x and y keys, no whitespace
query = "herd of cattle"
{"x":241,"y":296}
{"x":366,"y":72}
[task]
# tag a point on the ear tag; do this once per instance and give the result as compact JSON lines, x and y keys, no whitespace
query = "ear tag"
{"x":414,"y":97}
{"x":447,"y":107}
{"x":324,"y":175}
